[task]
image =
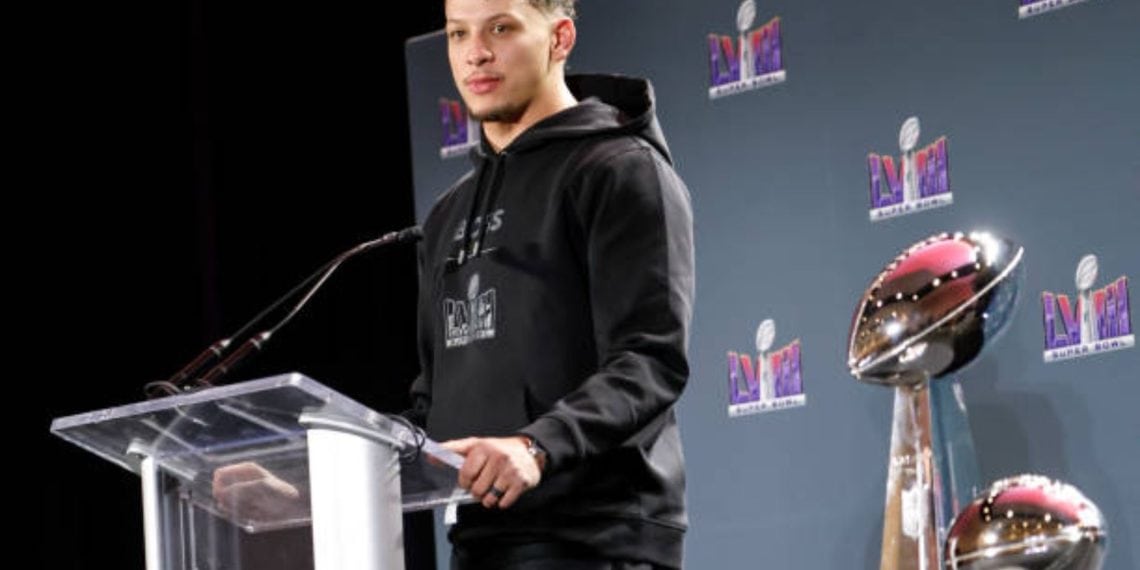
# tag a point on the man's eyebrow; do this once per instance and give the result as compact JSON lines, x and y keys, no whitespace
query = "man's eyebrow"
{"x":496,"y":16}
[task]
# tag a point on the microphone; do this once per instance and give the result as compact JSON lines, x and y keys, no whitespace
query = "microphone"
{"x":410,"y":234}
{"x":215,"y":351}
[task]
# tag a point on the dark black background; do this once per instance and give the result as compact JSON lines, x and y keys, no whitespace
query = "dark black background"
{"x":183,"y":163}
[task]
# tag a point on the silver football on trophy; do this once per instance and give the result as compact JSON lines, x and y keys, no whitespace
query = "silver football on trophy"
{"x":1028,"y":522}
{"x":929,"y":311}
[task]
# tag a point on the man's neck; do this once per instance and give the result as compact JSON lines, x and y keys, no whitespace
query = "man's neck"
{"x":500,"y":134}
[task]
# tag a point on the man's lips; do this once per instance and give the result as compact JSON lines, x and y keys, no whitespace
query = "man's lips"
{"x":482,"y":84}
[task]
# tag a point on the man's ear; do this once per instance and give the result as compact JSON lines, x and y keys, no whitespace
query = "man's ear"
{"x":565,"y":34}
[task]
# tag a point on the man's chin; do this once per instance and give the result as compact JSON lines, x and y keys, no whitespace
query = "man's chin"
{"x":497,"y":115}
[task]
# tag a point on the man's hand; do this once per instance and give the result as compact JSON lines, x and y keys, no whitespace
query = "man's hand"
{"x":249,"y":490}
{"x":496,"y":470}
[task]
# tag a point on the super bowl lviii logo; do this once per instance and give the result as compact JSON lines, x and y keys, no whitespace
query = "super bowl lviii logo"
{"x":460,"y":131}
{"x":1030,"y":8}
{"x":471,"y":319}
{"x":920,"y":181}
{"x":774,"y":382}
{"x":753,"y":61}
{"x":1097,"y":323}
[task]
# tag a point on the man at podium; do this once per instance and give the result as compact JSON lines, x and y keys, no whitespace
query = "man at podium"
{"x":556,"y":291}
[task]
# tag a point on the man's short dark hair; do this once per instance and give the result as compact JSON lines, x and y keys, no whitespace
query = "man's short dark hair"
{"x":565,"y":7}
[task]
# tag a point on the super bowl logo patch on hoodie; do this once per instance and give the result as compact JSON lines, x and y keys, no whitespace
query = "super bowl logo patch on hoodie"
{"x":471,"y":319}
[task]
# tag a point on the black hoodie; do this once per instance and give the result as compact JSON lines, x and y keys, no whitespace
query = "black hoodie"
{"x":555,"y":299}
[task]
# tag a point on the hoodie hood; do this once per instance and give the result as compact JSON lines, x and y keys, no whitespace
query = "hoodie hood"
{"x":608,"y":104}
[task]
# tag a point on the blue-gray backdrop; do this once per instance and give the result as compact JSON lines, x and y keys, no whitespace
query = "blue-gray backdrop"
{"x":1042,"y":122}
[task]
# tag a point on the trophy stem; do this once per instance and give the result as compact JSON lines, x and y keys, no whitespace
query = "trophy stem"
{"x":910,"y":530}
{"x":932,"y":473}
{"x":956,"y":477}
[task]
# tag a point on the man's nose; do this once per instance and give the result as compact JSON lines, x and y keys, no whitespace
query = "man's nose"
{"x":478,"y":52}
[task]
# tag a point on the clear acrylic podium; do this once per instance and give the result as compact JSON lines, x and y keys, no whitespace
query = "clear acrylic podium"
{"x":289,"y":455}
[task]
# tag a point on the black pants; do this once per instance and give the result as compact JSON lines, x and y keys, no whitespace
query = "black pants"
{"x":538,"y":556}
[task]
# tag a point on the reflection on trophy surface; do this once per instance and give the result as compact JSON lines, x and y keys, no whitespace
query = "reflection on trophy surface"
{"x":927,"y":314}
{"x":1028,"y":522}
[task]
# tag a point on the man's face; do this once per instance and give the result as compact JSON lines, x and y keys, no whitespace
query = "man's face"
{"x":500,"y":55}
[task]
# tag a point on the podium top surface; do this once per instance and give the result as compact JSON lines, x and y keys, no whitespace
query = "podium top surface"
{"x":264,"y":422}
